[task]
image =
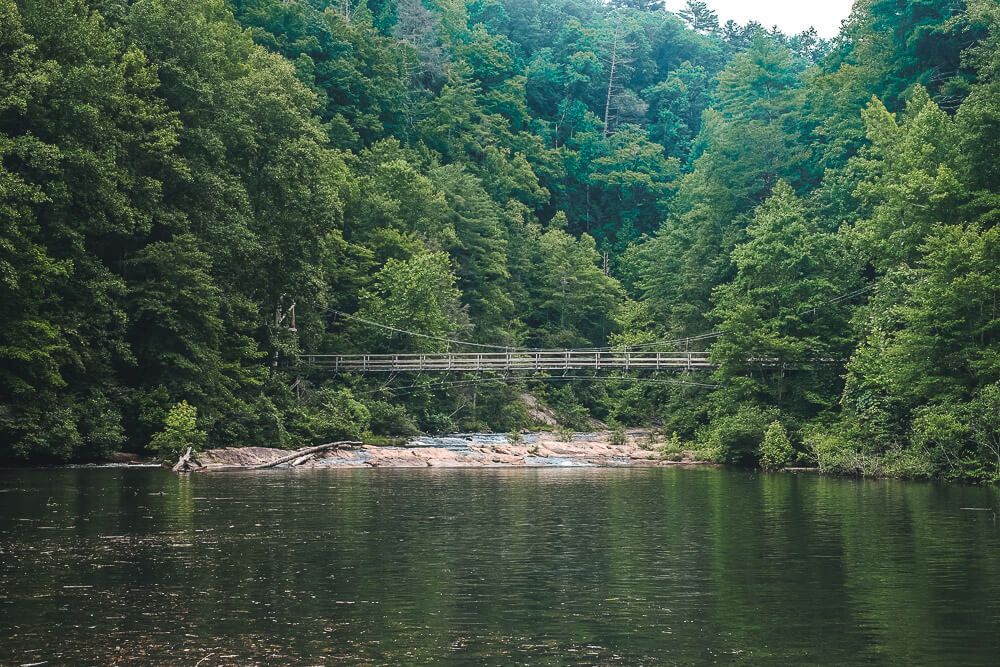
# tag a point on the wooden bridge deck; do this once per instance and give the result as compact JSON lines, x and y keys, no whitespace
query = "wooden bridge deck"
{"x":543,"y":360}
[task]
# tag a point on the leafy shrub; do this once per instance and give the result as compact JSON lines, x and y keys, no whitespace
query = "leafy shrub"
{"x":776,"y":449}
{"x":334,"y":414}
{"x":650,"y":441}
{"x":736,"y":438}
{"x":564,"y":434}
{"x":839,"y":450}
{"x":390,"y":419}
{"x":568,"y":410}
{"x":984,"y":422}
{"x":940,"y":434}
{"x":902,"y":464}
{"x":499,"y":409}
{"x":961,"y":442}
{"x":438,"y":422}
{"x":618,"y":436}
{"x":515,"y":438}
{"x":264,"y":421}
{"x":180,"y":431}
{"x":672,"y":449}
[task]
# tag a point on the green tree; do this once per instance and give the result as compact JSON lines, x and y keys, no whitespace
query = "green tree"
{"x":86,"y":142}
{"x":930,"y":338}
{"x":416,"y":295}
{"x":675,"y":108}
{"x":180,"y":431}
{"x":700,"y":17}
{"x":358,"y":73}
{"x":571,"y":298}
{"x":741,"y":152}
{"x":776,"y":450}
{"x":909,"y":180}
{"x":785,"y":306}
{"x":480,"y":251}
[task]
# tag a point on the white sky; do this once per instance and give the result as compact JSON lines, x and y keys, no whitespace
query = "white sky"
{"x":792,"y":16}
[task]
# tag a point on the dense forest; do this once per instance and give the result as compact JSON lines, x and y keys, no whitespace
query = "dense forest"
{"x":194,"y":193}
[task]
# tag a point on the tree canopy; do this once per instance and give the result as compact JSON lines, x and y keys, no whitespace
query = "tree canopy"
{"x":193,"y":193}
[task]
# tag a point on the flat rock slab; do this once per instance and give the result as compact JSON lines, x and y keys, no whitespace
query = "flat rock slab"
{"x":474,"y":451}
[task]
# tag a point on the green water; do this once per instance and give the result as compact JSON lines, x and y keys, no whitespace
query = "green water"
{"x":487,"y":566}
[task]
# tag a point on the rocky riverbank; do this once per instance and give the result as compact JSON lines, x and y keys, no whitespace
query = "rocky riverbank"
{"x":460,"y":451}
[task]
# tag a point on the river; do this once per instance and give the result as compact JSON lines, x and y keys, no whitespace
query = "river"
{"x":494,"y":566}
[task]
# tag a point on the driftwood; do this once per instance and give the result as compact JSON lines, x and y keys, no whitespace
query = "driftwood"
{"x":185,"y":463}
{"x":301,"y":456}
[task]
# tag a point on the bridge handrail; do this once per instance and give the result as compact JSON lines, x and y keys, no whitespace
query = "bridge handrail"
{"x":503,"y":355}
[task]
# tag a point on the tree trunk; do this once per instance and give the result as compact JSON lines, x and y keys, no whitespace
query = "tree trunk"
{"x":300,"y":456}
{"x":611,"y":80}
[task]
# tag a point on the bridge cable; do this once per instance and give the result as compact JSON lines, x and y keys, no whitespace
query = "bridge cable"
{"x":715,"y":334}
{"x":511,"y":348}
{"x":506,"y":380}
{"x":624,"y":348}
{"x":428,"y":336}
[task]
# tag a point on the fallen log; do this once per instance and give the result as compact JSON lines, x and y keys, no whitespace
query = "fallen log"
{"x":302,"y":459}
{"x":300,"y":456}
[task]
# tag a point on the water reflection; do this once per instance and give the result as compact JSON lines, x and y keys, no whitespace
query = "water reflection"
{"x":553,"y":566}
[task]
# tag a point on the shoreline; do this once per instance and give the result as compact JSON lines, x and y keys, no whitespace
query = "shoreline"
{"x":537,"y":449}
{"x":474,"y":450}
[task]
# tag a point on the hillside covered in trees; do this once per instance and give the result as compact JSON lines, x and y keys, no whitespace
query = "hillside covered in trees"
{"x":176,"y":176}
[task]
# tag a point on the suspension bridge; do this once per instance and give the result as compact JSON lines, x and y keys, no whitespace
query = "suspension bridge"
{"x":496,"y":358}
{"x":501,"y":359}
{"x":533,"y":360}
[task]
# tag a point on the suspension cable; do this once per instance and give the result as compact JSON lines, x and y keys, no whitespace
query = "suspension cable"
{"x":608,"y":348}
{"x":560,"y":378}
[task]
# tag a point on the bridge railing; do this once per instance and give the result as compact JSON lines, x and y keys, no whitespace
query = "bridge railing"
{"x":540,"y":360}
